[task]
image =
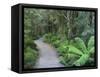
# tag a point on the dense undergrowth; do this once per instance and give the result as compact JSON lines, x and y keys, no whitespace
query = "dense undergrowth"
{"x":72,"y":52}
{"x":30,"y":53}
{"x":71,"y":32}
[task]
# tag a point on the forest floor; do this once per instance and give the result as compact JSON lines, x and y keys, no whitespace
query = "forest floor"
{"x":48,"y":56}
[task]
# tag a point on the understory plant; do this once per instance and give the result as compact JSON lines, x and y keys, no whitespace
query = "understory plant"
{"x":30,"y":53}
{"x":30,"y":57}
{"x":51,"y":38}
{"x":74,"y":52}
{"x":78,"y":53}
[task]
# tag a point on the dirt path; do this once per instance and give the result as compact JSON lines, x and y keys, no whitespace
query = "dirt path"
{"x":48,"y":56}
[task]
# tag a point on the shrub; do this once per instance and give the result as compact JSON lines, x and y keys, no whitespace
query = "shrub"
{"x":62,"y":47}
{"x":29,"y":42}
{"x":47,"y":37}
{"x":50,"y":38}
{"x":56,"y":43}
{"x":30,"y":56}
{"x":54,"y":38}
{"x":77,"y":53}
{"x":83,"y":51}
{"x":74,"y":52}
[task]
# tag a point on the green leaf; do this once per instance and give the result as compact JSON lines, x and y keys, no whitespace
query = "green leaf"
{"x":82,"y":60}
{"x":62,"y":60}
{"x":91,"y":50}
{"x":56,"y":43}
{"x":91,"y":42}
{"x":72,"y":58}
{"x":62,"y":49}
{"x":80,"y":44}
{"x":74,"y":50}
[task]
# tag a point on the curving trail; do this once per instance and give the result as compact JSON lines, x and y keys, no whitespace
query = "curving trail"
{"x":48,"y":57}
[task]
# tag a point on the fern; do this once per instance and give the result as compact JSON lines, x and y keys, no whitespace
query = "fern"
{"x":30,"y":56}
{"x":91,"y":50}
{"x":82,"y":50}
{"x":80,"y":44}
{"x":82,"y":60}
{"x":86,"y":56}
{"x":74,"y":50}
{"x":91,"y":42}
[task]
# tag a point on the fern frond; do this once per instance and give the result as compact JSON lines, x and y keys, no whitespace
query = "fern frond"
{"x":74,"y":50}
{"x":80,"y":44}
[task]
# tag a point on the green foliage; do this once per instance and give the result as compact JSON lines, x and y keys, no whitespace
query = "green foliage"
{"x":30,"y":56}
{"x":47,"y":37}
{"x":56,"y":43}
{"x":62,"y":60}
{"x":80,"y":44}
{"x":73,"y":53}
{"x":70,"y":32}
{"x":82,"y":60}
{"x":91,"y":42}
{"x":85,"y":56}
{"x":30,"y":52}
{"x":51,"y":38}
{"x":62,"y":49}
{"x":28,"y":42}
{"x":74,"y":50}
